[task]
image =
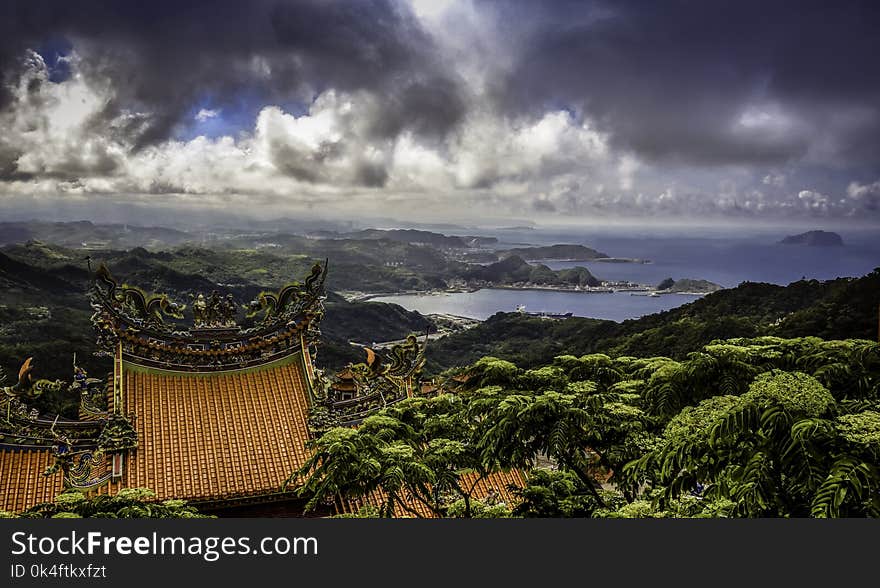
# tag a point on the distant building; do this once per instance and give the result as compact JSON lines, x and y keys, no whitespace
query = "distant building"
{"x":92,"y":245}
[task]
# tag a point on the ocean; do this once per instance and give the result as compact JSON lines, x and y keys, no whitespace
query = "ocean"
{"x":724,"y":257}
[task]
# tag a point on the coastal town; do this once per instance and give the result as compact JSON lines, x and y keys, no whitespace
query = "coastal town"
{"x":696,"y":288}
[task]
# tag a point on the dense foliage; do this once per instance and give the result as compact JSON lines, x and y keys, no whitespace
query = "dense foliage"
{"x":761,"y":427}
{"x":414,"y":452}
{"x":128,"y":503}
{"x":724,"y":407}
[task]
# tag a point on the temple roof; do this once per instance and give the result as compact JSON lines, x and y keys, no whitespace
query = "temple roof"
{"x":218,"y":411}
{"x":363,"y":388}
{"x":34,"y":447}
{"x":201,"y":437}
{"x":217,"y":436}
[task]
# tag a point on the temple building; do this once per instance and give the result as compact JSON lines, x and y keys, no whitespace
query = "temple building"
{"x":218,"y":412}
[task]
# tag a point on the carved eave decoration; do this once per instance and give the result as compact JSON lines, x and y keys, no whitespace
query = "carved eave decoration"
{"x":379,"y":382}
{"x":82,"y":449}
{"x":139,"y":323}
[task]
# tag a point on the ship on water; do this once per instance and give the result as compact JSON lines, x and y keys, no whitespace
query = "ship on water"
{"x":521,"y":308}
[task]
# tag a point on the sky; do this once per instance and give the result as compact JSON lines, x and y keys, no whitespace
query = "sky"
{"x":552,"y":111}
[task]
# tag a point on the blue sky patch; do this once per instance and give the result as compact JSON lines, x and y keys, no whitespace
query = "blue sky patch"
{"x":54,"y":51}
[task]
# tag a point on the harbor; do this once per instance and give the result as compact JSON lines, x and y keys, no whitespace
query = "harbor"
{"x":482,"y":304}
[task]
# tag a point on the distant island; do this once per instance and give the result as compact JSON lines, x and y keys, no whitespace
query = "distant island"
{"x":515,"y":271}
{"x":687,"y":285}
{"x":814,"y":239}
{"x":555,"y":252}
{"x":622,"y":260}
{"x":414,"y":237}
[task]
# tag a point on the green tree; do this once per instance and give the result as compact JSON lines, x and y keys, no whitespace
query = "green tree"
{"x":127,"y":503}
{"x":554,"y":494}
{"x":743,"y":427}
{"x":781,"y":449}
{"x":419,"y":454}
{"x":587,"y":429}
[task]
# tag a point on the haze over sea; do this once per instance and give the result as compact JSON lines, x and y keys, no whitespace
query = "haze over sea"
{"x":725,"y":256}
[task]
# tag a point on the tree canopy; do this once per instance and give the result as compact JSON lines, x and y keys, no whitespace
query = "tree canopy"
{"x":127,"y":503}
{"x":760,"y":427}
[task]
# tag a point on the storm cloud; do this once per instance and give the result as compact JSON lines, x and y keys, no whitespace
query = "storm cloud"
{"x":708,"y":82}
{"x":551,"y":108}
{"x":162,"y":56}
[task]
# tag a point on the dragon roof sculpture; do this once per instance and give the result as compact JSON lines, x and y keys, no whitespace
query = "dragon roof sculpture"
{"x":381,"y":380}
{"x":82,"y":450}
{"x":150,"y":331}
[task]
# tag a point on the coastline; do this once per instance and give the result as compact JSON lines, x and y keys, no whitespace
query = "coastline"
{"x":634,"y":291}
{"x":590,"y":260}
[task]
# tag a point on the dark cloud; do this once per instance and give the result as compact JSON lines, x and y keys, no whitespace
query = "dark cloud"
{"x":674,"y":79}
{"x":667,"y":79}
{"x":563,"y":107}
{"x":541,"y":205}
{"x":165,"y":56}
{"x":8,"y":167}
{"x":428,"y":106}
{"x":370,"y":174}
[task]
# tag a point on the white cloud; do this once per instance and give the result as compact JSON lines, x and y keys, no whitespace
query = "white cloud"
{"x":866,"y":195}
{"x":51,"y":130}
{"x":489,"y":149}
{"x":774,"y":179}
{"x":418,"y":167}
{"x":627,"y":169}
{"x":814,"y":201}
{"x":206,"y":114}
{"x":329,"y":145}
{"x":431,"y":10}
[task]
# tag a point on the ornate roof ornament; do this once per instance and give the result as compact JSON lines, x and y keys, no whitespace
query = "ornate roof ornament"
{"x":134,"y":303}
{"x":80,"y":448}
{"x":214,"y":311}
{"x":141,"y":324}
{"x":363,"y":388}
{"x":26,"y":387}
{"x":292,"y":299}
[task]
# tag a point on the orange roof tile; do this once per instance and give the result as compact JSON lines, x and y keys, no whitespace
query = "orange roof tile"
{"x":201,"y":436}
{"x":22,"y":483}
{"x":216,"y":435}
